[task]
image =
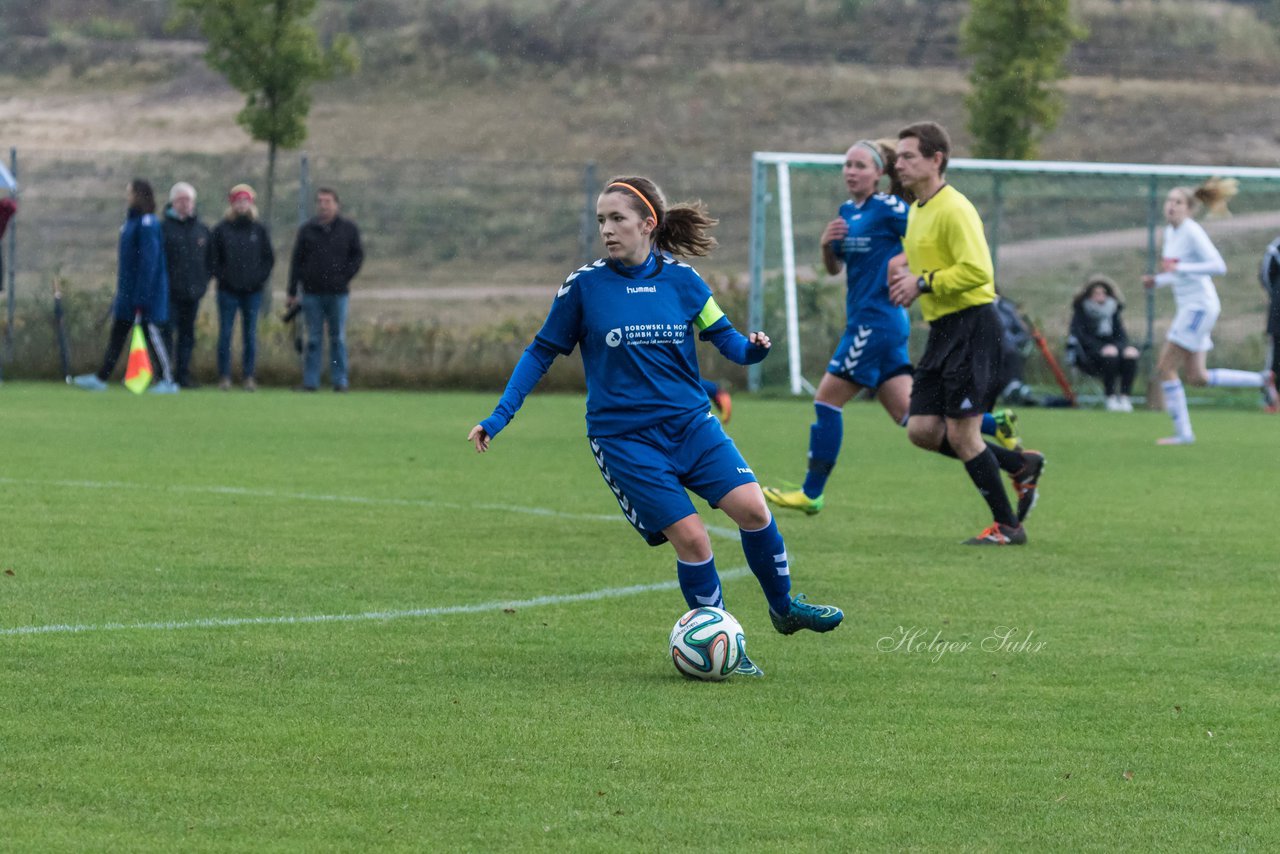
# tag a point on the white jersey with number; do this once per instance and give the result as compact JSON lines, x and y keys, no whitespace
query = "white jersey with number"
{"x":1197,"y":260}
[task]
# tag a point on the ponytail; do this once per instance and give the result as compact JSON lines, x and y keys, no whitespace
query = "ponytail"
{"x":1215,"y":193}
{"x":685,"y":230}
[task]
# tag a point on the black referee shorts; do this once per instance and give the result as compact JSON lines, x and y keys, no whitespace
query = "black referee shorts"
{"x":959,"y":374}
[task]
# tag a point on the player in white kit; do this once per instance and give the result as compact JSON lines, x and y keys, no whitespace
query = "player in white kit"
{"x":1188,"y":262}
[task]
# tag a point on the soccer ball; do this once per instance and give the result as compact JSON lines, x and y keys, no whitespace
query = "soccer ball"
{"x":707,"y":643}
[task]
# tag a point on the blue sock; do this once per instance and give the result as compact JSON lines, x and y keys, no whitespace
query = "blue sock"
{"x":700,"y":583}
{"x":825,"y":436}
{"x":767,"y":557}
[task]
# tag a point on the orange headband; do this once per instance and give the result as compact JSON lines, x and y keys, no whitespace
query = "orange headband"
{"x":640,"y":194}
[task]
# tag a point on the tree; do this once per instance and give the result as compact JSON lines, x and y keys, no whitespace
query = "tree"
{"x":268,"y":50}
{"x":1018,"y":48}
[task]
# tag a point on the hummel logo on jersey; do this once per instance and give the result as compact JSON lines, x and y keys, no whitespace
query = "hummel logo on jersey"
{"x":741,"y":470}
{"x":564,"y":289}
{"x":614,"y":337}
{"x":643,"y":289}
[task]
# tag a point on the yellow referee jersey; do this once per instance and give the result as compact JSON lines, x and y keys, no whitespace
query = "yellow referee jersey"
{"x":945,"y":243}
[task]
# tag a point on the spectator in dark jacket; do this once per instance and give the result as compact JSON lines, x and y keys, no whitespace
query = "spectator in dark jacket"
{"x":326,"y":257}
{"x":1098,"y":343}
{"x":242,"y":262}
{"x":142,"y":290}
{"x":187,"y":253}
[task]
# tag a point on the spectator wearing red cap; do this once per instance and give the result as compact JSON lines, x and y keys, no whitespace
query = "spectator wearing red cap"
{"x":242,"y":260}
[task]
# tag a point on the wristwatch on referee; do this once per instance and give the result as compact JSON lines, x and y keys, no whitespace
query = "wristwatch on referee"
{"x":922,"y":285}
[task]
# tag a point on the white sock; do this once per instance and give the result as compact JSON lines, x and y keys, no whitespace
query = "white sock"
{"x":1236,"y":379}
{"x":1175,"y":403}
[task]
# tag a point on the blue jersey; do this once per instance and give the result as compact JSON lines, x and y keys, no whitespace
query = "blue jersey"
{"x":637,"y":340}
{"x":875,"y":235}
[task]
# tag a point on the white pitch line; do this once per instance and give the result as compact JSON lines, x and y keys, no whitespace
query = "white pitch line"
{"x":726,"y":533}
{"x":607,"y":593}
{"x":445,"y":610}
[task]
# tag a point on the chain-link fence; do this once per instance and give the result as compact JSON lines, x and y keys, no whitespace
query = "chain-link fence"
{"x":461,"y":256}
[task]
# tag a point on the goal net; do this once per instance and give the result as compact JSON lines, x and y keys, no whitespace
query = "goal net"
{"x":1050,"y":225}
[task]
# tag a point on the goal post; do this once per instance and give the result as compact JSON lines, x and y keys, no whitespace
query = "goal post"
{"x":1049,"y":223}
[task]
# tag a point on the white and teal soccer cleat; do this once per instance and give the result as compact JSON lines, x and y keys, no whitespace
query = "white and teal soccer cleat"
{"x":747,"y":667}
{"x":802,"y":615}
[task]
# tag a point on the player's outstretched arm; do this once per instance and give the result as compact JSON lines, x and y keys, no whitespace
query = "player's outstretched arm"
{"x":479,"y":438}
{"x":533,"y":364}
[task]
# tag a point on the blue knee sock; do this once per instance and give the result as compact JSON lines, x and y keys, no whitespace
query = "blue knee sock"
{"x":825,"y":436}
{"x":767,"y":557}
{"x":700,"y":583}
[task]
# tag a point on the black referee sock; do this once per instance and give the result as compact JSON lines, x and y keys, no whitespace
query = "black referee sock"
{"x":984,"y":471}
{"x":1010,"y":461}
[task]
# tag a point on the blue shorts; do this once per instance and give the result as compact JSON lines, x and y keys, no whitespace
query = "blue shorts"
{"x":648,"y":471}
{"x":870,"y":355}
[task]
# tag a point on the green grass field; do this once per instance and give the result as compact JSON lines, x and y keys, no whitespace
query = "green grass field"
{"x":263,"y":622}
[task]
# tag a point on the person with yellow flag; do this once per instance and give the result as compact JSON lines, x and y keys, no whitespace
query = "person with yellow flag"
{"x":141,"y":303}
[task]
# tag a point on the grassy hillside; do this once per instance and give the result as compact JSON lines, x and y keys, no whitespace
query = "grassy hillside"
{"x":464,"y":143}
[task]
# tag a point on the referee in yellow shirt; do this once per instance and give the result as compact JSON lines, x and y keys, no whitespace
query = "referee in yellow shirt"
{"x":948,"y":268}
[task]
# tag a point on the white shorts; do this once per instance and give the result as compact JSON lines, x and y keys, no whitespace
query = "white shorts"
{"x":1191,"y":328}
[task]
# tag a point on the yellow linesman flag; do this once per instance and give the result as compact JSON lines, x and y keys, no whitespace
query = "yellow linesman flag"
{"x":137,"y":375}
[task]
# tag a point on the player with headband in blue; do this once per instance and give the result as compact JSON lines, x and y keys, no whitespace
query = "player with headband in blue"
{"x":633,"y":315}
{"x":865,"y":235}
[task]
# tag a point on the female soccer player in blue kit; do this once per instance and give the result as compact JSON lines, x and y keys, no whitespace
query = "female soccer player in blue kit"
{"x":633,"y":314}
{"x":865,"y":235}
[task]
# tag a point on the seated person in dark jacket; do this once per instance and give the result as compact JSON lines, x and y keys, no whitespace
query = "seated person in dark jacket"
{"x":1098,"y":343}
